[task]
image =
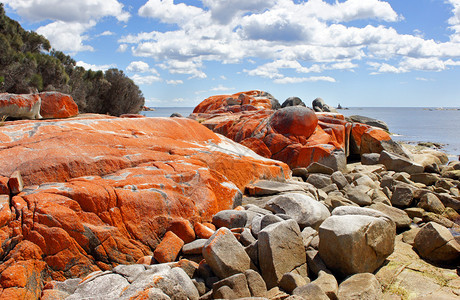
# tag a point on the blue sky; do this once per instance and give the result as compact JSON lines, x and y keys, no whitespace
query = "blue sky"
{"x":355,"y":52}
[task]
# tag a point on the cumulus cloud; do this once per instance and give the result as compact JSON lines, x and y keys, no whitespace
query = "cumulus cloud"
{"x":174,"y":82}
{"x":70,"y":20}
{"x":302,"y":36}
{"x":149,"y":79}
{"x":95,"y":67}
{"x":67,"y":36}
{"x":287,"y":80}
{"x":140,"y":67}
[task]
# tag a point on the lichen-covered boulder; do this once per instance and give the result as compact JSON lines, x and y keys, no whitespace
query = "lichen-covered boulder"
{"x":20,"y":106}
{"x":55,"y":105}
{"x":101,"y":191}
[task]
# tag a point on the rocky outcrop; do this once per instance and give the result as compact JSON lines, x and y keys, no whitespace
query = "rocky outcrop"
{"x":293,"y":134}
{"x":101,"y":191}
{"x":48,"y":105}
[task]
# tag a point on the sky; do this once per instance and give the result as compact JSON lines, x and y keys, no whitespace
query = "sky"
{"x":354,"y":52}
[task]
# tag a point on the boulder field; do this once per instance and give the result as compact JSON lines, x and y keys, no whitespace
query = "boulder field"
{"x":92,"y":192}
{"x":291,"y":133}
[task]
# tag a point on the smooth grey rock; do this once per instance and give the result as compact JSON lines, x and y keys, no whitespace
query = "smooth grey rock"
{"x":310,"y":291}
{"x":399,"y":163}
{"x":195,"y":247}
{"x":157,"y":294}
{"x":435,"y":242}
{"x":129,"y":271}
{"x":256,"y":283}
{"x":108,"y":286}
{"x":316,"y":167}
{"x":339,"y":179}
{"x":398,"y":216}
{"x":230,"y":218}
{"x":360,"y":286}
{"x":225,"y":255}
{"x":319,"y":180}
{"x":336,"y":201}
{"x":180,"y":277}
{"x":237,"y":283}
{"x":275,"y":258}
{"x":268,"y":187}
{"x":336,"y":160}
{"x":370,"y":158}
{"x":68,"y":286}
{"x":308,"y":234}
{"x":253,"y":252}
{"x":358,"y":196}
{"x":268,"y":220}
{"x":305,"y":210}
{"x":356,"y":240}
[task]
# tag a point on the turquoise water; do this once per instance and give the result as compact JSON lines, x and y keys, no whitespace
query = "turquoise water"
{"x":407,"y":124}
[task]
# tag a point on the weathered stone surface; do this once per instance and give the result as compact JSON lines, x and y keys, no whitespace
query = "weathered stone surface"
{"x":305,"y":210}
{"x":102,"y":191}
{"x":292,"y":101}
{"x":425,"y":178}
{"x":356,"y":240}
{"x":194,"y":247}
{"x":398,"y":216}
{"x":310,"y":291}
{"x":328,"y":284}
{"x":290,"y":281}
{"x":225,"y":255}
{"x":24,"y":106}
{"x":360,"y":286}
{"x":256,"y":283}
{"x":430,"y":202}
{"x":230,"y":219}
{"x":109,"y":286}
{"x":237,"y":283}
{"x":358,"y":195}
{"x":435,"y":242}
{"x":274,"y":258}
{"x":55,"y":105}
{"x":399,"y":163}
{"x":402,"y":196}
{"x":407,"y":274}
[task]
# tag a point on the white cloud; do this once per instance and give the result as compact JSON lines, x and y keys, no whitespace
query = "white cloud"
{"x":184,"y":67}
{"x":149,"y":79}
{"x":106,"y":33}
{"x":81,"y":11}
{"x":67,"y":36}
{"x":302,"y":36}
{"x":221,"y":88}
{"x":174,"y":82}
{"x":178,"y":100}
{"x":122,"y":48}
{"x":70,"y":20}
{"x":287,"y":80}
{"x":95,"y":67}
{"x":140,"y":67}
{"x":168,"y":12}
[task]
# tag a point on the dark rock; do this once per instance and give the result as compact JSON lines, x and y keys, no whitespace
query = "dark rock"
{"x":293,"y":101}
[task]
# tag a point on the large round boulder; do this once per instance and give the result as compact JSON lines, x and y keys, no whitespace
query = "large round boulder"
{"x":295,"y":120}
{"x":356,"y":240}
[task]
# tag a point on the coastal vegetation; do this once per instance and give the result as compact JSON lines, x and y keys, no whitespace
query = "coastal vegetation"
{"x":28,"y":64}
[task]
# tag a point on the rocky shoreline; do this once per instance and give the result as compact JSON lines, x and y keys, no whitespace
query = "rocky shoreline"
{"x":98,"y":207}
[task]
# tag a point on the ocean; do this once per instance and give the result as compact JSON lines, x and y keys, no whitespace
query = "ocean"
{"x":407,"y":124}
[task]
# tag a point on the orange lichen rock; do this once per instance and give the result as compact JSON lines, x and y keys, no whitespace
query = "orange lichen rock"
{"x":295,"y":135}
{"x":101,"y":191}
{"x":169,"y":248}
{"x":56,"y":105}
